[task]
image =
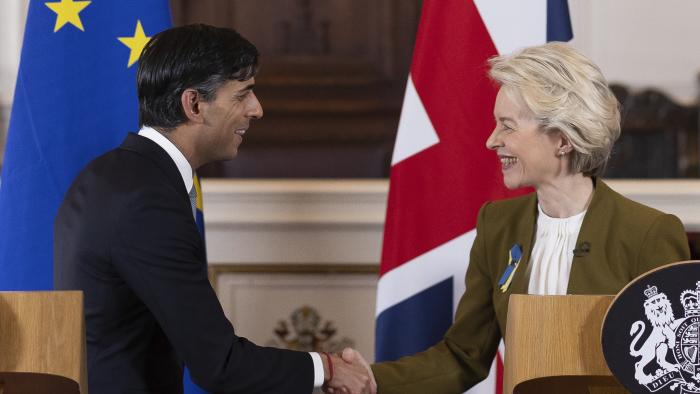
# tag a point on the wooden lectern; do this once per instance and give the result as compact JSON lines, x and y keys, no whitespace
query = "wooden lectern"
{"x":42,"y":343}
{"x":553,"y":345}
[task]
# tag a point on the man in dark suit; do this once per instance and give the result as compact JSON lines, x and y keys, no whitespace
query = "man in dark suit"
{"x":125,"y":235}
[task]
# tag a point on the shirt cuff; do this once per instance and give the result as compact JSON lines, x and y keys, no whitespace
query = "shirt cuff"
{"x":319,"y":376}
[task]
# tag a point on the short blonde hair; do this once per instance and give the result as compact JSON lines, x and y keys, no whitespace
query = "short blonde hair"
{"x":568,"y":93}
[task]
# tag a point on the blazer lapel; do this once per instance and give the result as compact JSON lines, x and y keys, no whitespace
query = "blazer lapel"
{"x":587,"y":239}
{"x":525,"y":233}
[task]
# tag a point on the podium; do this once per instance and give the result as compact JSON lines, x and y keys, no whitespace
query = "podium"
{"x":42,"y":343}
{"x":553,"y":345}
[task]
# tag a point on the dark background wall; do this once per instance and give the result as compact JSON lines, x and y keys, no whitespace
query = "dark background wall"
{"x":332,"y":80}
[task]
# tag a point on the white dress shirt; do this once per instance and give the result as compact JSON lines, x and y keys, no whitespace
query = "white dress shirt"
{"x":187,"y":174}
{"x":553,"y":253}
{"x":180,"y":161}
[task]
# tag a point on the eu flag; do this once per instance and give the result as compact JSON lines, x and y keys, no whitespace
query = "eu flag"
{"x":75,"y":99}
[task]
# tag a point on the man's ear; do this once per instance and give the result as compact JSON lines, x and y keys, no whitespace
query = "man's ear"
{"x":190,"y":100}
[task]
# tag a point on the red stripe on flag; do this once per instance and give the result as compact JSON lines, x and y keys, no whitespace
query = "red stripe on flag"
{"x":434,"y":196}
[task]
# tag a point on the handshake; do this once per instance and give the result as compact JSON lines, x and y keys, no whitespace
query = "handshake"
{"x":348,"y":373}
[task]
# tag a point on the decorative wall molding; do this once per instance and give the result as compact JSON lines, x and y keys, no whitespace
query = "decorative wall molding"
{"x":294,"y":221}
{"x":300,"y":202}
{"x":341,"y":221}
{"x":218,"y":271}
{"x":679,"y":197}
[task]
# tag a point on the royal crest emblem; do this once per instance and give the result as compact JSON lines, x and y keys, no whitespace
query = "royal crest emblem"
{"x":670,"y":354}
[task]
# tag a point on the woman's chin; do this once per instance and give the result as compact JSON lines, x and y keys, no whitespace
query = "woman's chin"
{"x":511,"y":184}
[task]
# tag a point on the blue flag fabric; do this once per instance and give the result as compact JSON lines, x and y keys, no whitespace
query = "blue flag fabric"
{"x":558,"y":21}
{"x":75,"y":99}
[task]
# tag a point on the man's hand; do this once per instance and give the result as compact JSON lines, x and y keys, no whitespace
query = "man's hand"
{"x":348,"y":377}
{"x":352,"y":356}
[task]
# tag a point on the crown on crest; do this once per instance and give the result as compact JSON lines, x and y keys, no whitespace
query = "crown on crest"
{"x":690,"y":301}
{"x":651,"y":291}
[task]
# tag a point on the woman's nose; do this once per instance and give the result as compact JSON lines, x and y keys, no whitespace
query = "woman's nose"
{"x":493,"y":141}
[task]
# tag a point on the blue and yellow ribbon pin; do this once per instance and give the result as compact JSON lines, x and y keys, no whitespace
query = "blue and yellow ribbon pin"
{"x":513,"y":260}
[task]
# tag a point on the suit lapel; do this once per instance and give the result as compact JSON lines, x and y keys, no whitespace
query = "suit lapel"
{"x":160,"y":157}
{"x":147,"y":148}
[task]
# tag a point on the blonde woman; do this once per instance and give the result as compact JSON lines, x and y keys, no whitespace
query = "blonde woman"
{"x":556,"y":123}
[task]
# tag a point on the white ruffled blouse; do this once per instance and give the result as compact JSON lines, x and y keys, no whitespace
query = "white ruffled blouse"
{"x":553,"y":253}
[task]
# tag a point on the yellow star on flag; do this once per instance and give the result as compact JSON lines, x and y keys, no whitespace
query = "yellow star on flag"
{"x":67,"y":12}
{"x":135,"y":43}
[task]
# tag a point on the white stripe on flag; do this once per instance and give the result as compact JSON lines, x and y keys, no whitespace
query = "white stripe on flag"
{"x":514,"y":24}
{"x":416,"y":132}
{"x":447,"y":260}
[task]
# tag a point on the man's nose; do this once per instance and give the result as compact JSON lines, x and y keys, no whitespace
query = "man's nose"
{"x":256,"y":111}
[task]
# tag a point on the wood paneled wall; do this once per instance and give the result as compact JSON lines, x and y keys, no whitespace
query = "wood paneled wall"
{"x":331,"y":82}
{"x":659,"y":137}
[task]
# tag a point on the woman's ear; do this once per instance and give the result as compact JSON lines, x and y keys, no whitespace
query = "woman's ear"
{"x":190,"y":101}
{"x":564,"y":146}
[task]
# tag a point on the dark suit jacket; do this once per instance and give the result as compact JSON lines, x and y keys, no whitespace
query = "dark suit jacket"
{"x":625,"y":239}
{"x":125,"y":235}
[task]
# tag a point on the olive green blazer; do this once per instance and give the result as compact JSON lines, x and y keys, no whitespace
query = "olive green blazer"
{"x":619,"y":240}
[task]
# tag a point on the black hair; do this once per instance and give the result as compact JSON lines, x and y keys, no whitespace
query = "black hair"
{"x":199,"y":57}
